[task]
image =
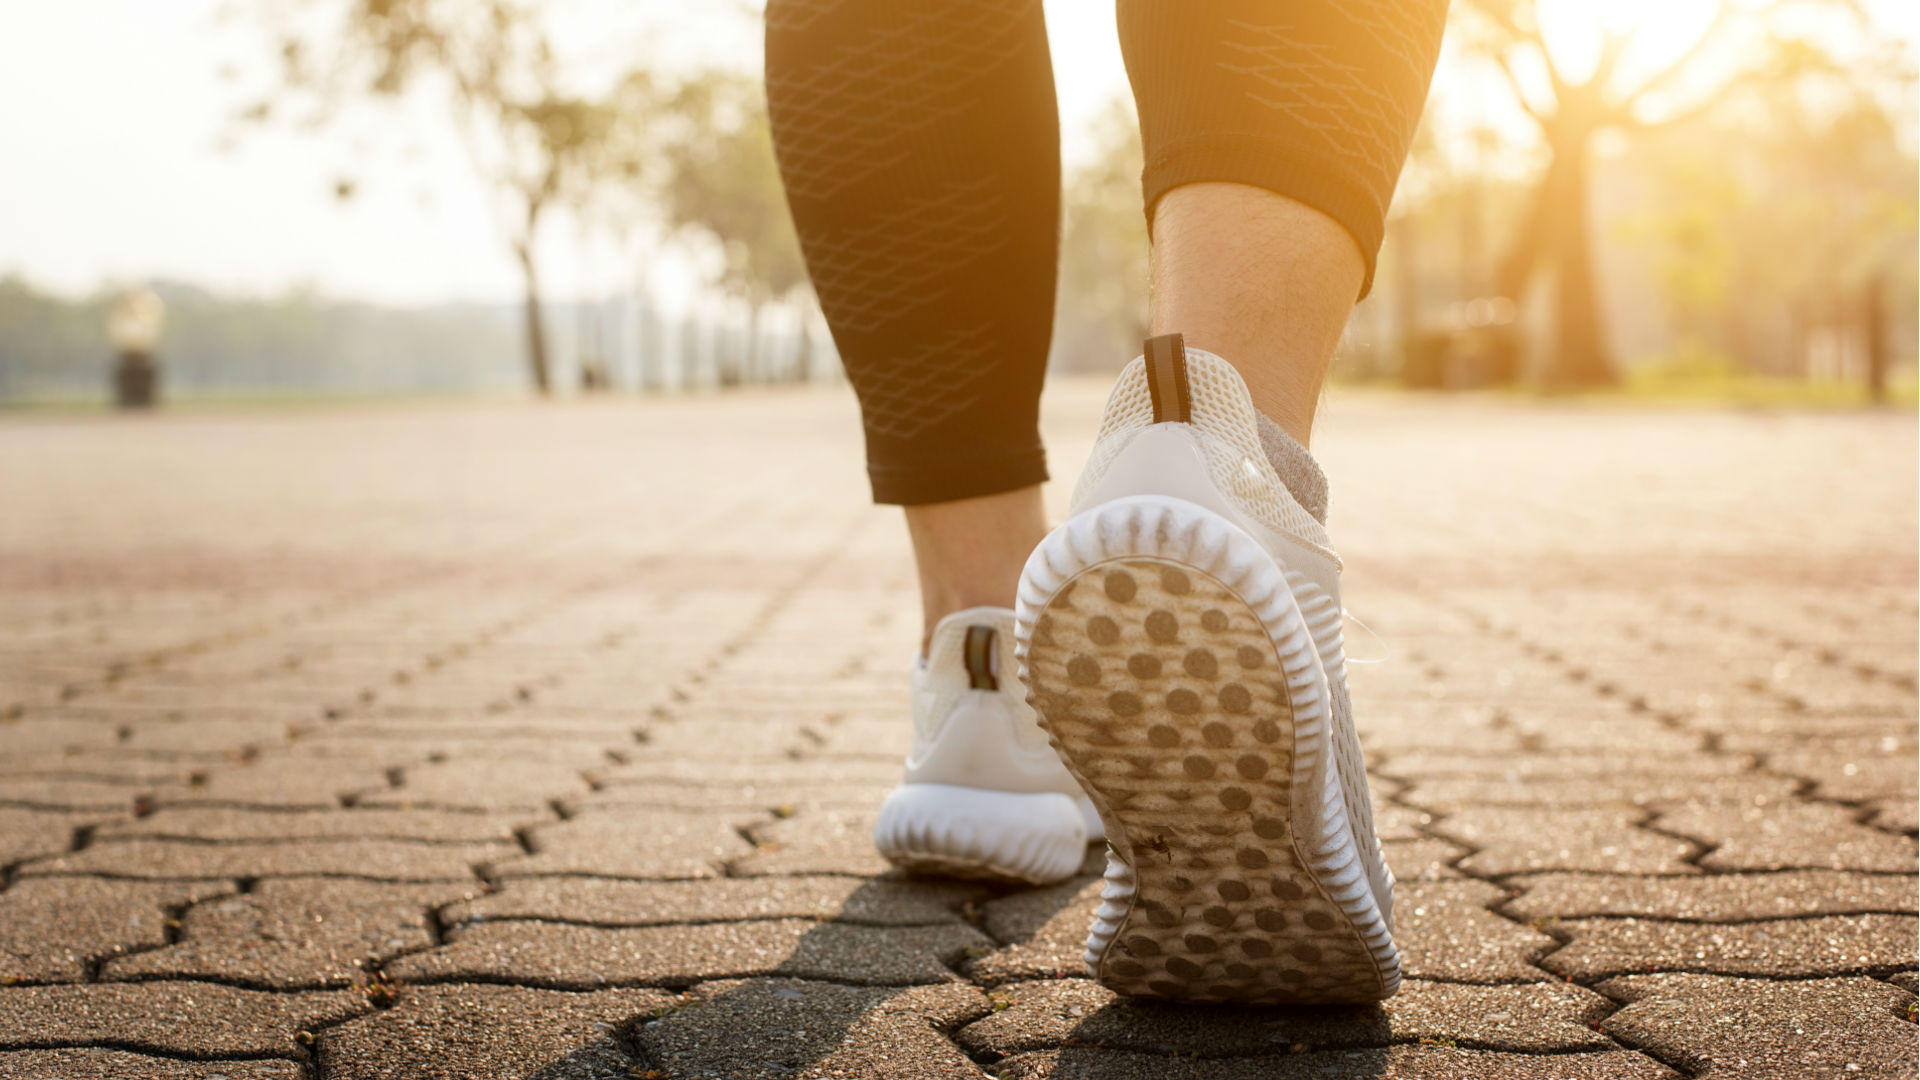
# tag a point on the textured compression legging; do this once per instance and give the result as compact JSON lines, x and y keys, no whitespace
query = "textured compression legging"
{"x":919,"y":143}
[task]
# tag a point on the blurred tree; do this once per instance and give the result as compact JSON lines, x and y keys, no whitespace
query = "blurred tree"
{"x":1748,"y":43}
{"x":1102,"y":313}
{"x":1796,"y":219}
{"x":721,"y":180}
{"x":536,"y":143}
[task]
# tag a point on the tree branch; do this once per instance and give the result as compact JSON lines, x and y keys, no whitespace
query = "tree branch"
{"x":1722,"y":18}
{"x":1519,"y":92}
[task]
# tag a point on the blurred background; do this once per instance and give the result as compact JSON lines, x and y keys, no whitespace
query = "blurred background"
{"x":309,"y":199}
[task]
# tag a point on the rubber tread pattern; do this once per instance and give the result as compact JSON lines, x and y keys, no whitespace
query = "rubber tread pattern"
{"x":1170,"y":665}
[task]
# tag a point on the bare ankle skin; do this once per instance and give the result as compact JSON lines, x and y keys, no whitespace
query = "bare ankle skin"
{"x":1264,"y":282}
{"x":970,"y":551}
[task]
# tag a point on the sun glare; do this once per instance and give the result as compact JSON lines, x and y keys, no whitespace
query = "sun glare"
{"x":1660,"y":31}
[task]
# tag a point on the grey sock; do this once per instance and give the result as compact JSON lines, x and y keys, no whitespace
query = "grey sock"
{"x":1296,"y":467}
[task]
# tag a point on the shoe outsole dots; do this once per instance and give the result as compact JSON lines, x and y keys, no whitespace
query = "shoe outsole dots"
{"x":1169,"y":664}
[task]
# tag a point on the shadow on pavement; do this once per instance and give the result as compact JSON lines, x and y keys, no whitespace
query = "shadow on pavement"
{"x":805,"y":1019}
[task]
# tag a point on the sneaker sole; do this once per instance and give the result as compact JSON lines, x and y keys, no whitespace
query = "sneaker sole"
{"x":945,"y":830}
{"x":1169,"y":663}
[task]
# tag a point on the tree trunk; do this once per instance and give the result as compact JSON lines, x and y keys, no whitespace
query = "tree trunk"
{"x":1555,"y":232}
{"x":536,"y":331}
{"x":1580,"y":357}
{"x":802,"y":354}
{"x":753,"y":361}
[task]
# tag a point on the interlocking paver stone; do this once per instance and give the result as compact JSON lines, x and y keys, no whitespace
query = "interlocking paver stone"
{"x":93,"y":1063}
{"x":1396,"y":1063}
{"x":236,"y":823}
{"x":1713,"y":897}
{"x":281,"y":782}
{"x":1425,"y":859}
{"x":384,"y":859}
{"x":590,"y":957}
{"x":196,"y":1018}
{"x":1512,"y":840}
{"x":1766,"y":1029}
{"x":480,"y":785}
{"x":496,"y":1032}
{"x":1829,"y":945}
{"x":295,"y":933}
{"x":1788,"y":834}
{"x":1043,"y":1015}
{"x":59,"y":793}
{"x":27,"y":834}
{"x":1442,"y":794}
{"x":53,"y":928}
{"x":1445,"y":931}
{"x":631,"y":843}
{"x":608,"y":902}
{"x":790,"y":1027}
{"x":1043,"y":933}
{"x":814,"y":842}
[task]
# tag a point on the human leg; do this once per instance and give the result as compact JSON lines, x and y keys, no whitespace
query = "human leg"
{"x":1274,"y":135}
{"x":919,"y":145}
{"x":920,"y":151}
{"x":1181,"y":633}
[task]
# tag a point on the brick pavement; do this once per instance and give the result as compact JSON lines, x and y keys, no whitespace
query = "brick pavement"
{"x":514,"y":741}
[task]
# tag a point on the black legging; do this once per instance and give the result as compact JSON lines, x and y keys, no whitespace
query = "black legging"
{"x":919,"y":143}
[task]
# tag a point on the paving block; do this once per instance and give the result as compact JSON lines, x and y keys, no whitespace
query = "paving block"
{"x":1396,"y":1063}
{"x":280,"y":783}
{"x":58,"y":793}
{"x":633,"y":844}
{"x":1449,"y":794}
{"x":589,"y":957}
{"x":814,"y":842}
{"x":29,"y":834}
{"x":1042,"y":933}
{"x":1763,"y":1029}
{"x":1789,"y":834}
{"x":796,"y":1028}
{"x":1712,"y":897}
{"x":189,"y":1018}
{"x":52,"y":929}
{"x":612,"y":902}
{"x":480,"y":785}
{"x":388,"y":860}
{"x":496,"y":1032}
{"x":1445,"y":931}
{"x":1779,"y":948}
{"x":1512,"y":840}
{"x":93,"y":1063}
{"x":226,"y":823}
{"x":296,"y":933}
{"x":1043,"y":1015}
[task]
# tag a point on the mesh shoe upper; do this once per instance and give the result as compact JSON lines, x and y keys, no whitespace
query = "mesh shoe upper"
{"x":972,"y":737}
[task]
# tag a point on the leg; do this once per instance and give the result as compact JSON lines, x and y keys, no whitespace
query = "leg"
{"x":919,"y":145}
{"x":920,"y":150}
{"x":1274,"y":135}
{"x":1262,"y":280}
{"x":969,"y":551}
{"x":1183,"y":644}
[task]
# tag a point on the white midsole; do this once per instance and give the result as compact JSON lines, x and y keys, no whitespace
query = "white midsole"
{"x":1038,"y":838}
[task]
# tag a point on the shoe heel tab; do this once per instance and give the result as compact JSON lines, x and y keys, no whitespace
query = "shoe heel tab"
{"x":1167,"y":382}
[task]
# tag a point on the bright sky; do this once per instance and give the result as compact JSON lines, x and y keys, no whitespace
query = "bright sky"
{"x":113,"y":114}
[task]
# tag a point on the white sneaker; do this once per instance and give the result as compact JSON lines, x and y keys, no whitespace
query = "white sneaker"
{"x":1181,"y":638}
{"x":984,"y":796}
